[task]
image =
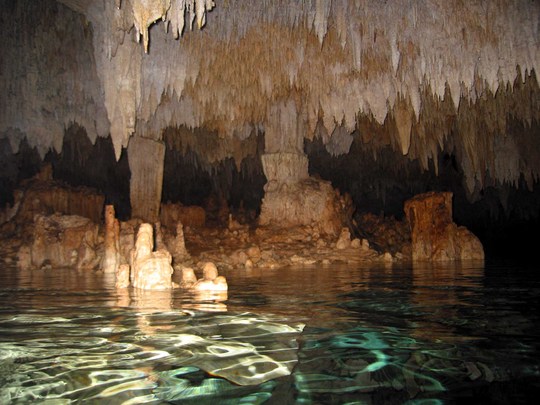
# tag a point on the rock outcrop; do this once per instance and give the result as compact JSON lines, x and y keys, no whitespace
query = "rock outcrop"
{"x":61,"y":241}
{"x":309,"y":202}
{"x":435,"y":236}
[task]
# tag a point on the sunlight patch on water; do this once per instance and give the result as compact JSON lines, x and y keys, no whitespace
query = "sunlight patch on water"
{"x":137,"y":358}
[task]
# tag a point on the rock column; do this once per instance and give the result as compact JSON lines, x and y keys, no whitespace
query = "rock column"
{"x":146,"y":158}
{"x":291,"y":197}
{"x":111,"y":258}
{"x":150,"y":270}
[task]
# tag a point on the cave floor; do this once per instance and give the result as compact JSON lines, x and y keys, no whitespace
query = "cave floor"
{"x":272,"y":247}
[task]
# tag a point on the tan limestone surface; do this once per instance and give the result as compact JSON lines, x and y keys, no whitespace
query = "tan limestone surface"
{"x":435,"y":236}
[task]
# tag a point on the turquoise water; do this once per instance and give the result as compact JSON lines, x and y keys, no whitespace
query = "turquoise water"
{"x":321,"y":335}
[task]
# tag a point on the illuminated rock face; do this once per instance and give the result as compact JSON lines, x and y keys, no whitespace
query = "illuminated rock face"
{"x":435,"y":236}
{"x":62,"y":241}
{"x":150,"y":270}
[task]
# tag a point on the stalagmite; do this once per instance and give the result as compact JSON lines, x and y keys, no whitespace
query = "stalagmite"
{"x":150,"y":270}
{"x":146,"y":165}
{"x":111,"y":258}
{"x":211,"y":280}
{"x":435,"y":236}
{"x":122,"y":276}
{"x":158,"y":237}
{"x":344,"y":240}
{"x":179,"y":249}
{"x":188,"y":277}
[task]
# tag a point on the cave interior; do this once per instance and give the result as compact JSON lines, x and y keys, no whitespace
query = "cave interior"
{"x":444,"y":98}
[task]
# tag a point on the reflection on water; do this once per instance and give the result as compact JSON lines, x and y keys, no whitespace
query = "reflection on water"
{"x":306,"y":335}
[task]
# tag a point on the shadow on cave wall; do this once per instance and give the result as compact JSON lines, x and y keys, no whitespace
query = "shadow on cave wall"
{"x":15,"y":167}
{"x":189,"y":180}
{"x":82,"y":163}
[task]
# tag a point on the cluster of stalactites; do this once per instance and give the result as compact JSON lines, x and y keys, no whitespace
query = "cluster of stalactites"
{"x":48,"y":77}
{"x":293,"y":70}
{"x":172,"y":12}
{"x":317,"y":66}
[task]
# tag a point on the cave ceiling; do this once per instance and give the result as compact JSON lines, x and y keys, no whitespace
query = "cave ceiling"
{"x":419,"y":77}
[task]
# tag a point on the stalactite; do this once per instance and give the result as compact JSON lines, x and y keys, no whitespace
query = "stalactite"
{"x":433,"y":74}
{"x":48,"y":75}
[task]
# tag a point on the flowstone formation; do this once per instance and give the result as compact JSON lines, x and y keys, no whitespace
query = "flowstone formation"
{"x":434,"y":234}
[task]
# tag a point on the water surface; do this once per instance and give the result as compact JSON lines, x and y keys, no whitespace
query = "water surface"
{"x":336,"y":334}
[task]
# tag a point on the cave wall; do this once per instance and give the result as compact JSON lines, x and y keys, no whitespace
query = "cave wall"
{"x":15,"y":167}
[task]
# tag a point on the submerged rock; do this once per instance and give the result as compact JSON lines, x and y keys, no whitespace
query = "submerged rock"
{"x":211,"y":281}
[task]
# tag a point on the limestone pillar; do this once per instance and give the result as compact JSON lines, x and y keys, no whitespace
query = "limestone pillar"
{"x":111,"y":258}
{"x":291,"y":197}
{"x":146,"y":158}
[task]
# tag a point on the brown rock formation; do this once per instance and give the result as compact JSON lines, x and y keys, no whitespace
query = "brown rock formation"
{"x":42,"y":195}
{"x":434,"y":234}
{"x":310,"y":202}
{"x":61,"y":241}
